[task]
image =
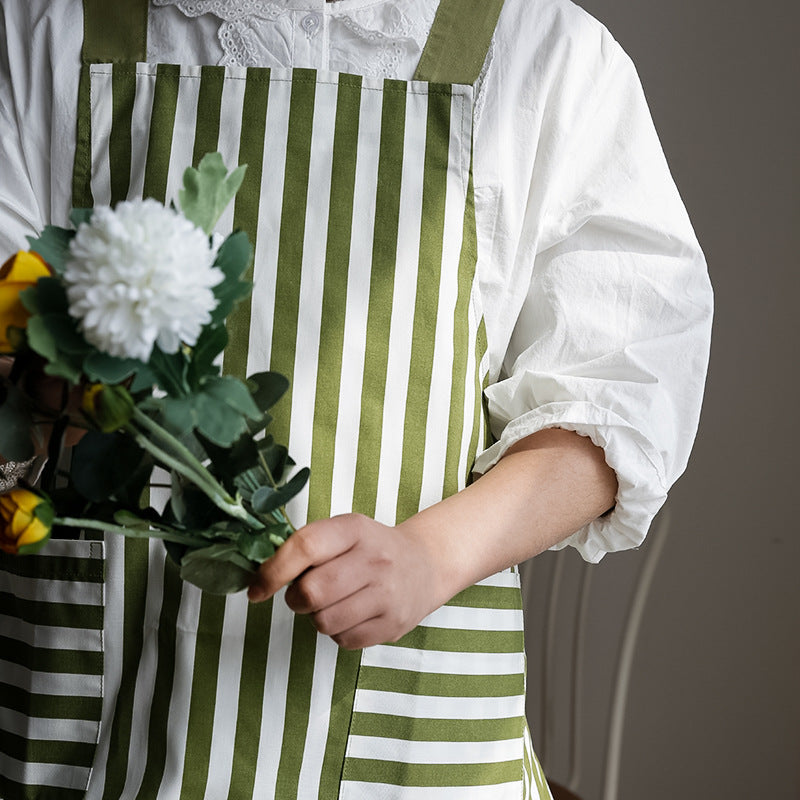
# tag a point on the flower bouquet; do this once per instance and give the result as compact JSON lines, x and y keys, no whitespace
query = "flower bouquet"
{"x":125,"y":315}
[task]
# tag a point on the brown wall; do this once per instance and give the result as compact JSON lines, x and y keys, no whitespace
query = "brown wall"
{"x":714,"y":703}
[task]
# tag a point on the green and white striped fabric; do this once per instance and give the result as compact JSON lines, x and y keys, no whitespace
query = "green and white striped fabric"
{"x":51,"y":669}
{"x":358,"y":195}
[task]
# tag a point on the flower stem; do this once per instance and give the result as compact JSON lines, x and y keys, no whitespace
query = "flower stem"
{"x":180,"y":449}
{"x":272,"y":480}
{"x":202,"y":478}
{"x":136,"y":533}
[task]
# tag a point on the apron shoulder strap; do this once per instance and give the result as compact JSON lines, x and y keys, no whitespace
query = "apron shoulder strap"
{"x":114,"y":30}
{"x":459,"y":41}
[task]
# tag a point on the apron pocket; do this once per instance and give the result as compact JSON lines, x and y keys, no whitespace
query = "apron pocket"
{"x":51,"y":669}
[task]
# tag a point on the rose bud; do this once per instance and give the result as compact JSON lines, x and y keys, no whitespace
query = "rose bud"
{"x":108,"y":408}
{"x":25,"y":521}
{"x":20,"y":272}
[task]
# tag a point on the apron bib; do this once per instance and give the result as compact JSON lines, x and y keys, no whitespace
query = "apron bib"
{"x":358,"y":198}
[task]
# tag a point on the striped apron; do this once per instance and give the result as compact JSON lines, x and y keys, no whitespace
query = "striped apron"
{"x":121,"y":681}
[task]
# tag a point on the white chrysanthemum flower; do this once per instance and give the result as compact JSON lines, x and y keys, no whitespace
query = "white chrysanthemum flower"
{"x":138,"y":275}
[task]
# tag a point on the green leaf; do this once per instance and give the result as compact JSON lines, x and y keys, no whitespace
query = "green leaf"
{"x":222,"y":408}
{"x":229,"y":462}
{"x":143,"y":379}
{"x":217,"y":421}
{"x":233,"y":393}
{"x":256,"y":546}
{"x":15,"y":425}
{"x":103,"y":368}
{"x":176,"y":551}
{"x":170,"y":370}
{"x":209,"y":345}
{"x":177,"y":415}
{"x":80,"y":215}
{"x":276,"y":457}
{"x":233,"y":258}
{"x":267,"y":499}
{"x":208,"y":190}
{"x":218,"y":569}
{"x":102,"y":463}
{"x":192,"y":507}
{"x":267,"y":388}
{"x":64,"y":331}
{"x":43,"y":339}
{"x":53,"y":246}
{"x":46,"y":297}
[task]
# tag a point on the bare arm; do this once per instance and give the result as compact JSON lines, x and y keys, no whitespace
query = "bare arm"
{"x":364,"y":583}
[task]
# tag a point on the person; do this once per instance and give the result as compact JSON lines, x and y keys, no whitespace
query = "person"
{"x":473,"y":265}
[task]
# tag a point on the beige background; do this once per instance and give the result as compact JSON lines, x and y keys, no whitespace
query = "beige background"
{"x":713,"y":709}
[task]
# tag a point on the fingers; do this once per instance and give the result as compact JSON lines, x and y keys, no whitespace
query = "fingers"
{"x":314,"y":544}
{"x":327,"y":584}
{"x":368,"y":633}
{"x":351,"y":612}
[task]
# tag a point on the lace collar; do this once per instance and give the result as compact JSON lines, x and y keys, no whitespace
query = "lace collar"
{"x":370,"y":37}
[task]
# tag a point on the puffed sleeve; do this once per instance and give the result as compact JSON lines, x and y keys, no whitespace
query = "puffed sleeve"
{"x":612,"y":336}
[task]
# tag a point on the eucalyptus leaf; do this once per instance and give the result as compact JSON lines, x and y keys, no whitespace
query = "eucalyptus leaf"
{"x":178,"y":415}
{"x":15,"y":426}
{"x":275,"y":456}
{"x":233,"y":393}
{"x":53,"y":246}
{"x":267,"y":499}
{"x":207,"y":191}
{"x":267,"y":388}
{"x":256,"y":546}
{"x":192,"y":507}
{"x":217,"y":569}
{"x":221,"y":409}
{"x":217,"y":421}
{"x":250,"y":481}
{"x":228,"y":462}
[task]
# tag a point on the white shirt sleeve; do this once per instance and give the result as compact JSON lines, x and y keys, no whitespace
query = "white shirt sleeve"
{"x":19,"y":211}
{"x":612,"y":335}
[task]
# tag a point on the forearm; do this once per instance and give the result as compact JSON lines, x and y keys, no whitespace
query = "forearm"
{"x":545,"y":488}
{"x":363,"y":582}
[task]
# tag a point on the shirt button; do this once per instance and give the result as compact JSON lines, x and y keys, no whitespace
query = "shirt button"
{"x":310,"y":23}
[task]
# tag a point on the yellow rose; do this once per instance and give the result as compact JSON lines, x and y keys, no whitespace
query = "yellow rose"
{"x":18,"y":273}
{"x":25,"y":521}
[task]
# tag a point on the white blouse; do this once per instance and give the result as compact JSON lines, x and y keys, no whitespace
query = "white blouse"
{"x":596,"y":297}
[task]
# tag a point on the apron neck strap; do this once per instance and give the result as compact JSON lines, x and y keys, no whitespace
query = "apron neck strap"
{"x":459,"y":41}
{"x":114,"y":30}
{"x":454,"y":53}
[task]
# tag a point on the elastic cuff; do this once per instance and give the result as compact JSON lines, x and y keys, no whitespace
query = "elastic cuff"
{"x":639,"y":468}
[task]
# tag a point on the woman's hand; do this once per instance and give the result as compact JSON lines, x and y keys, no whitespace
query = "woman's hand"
{"x":364,"y":583}
{"x":361,"y":582}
